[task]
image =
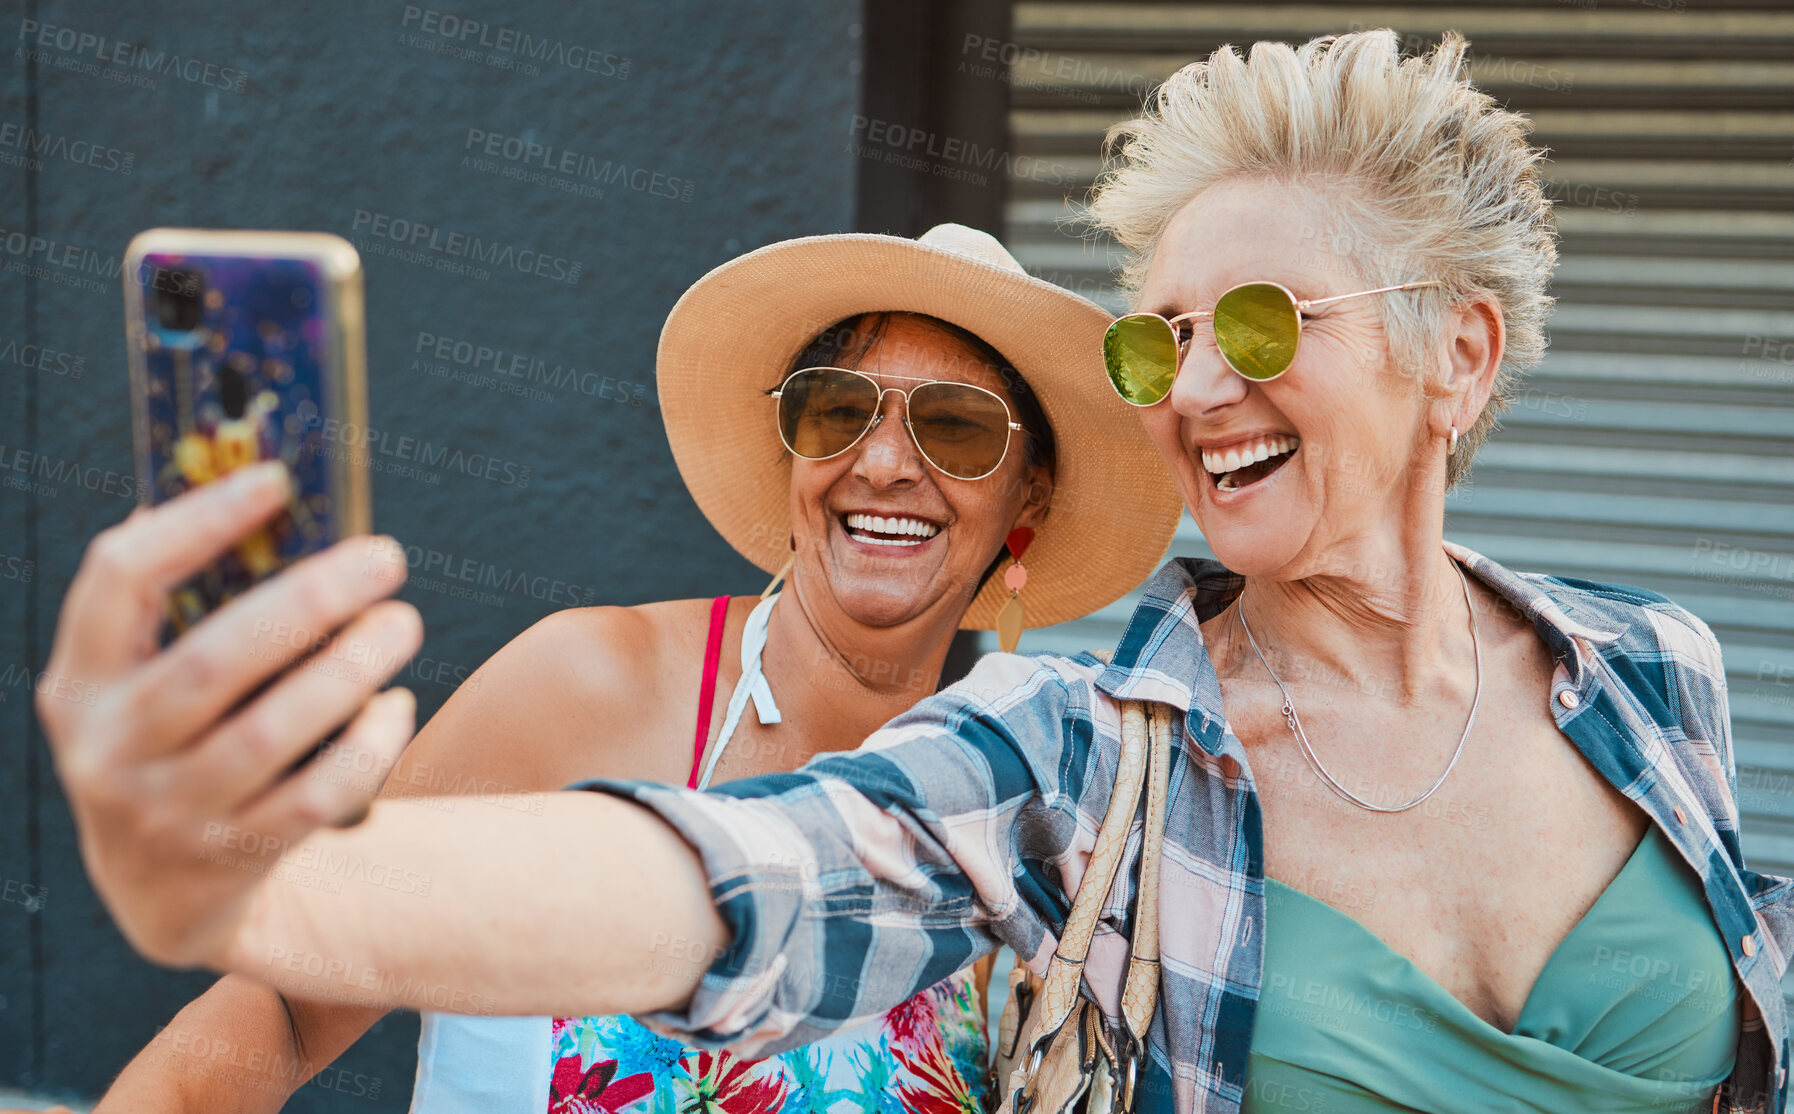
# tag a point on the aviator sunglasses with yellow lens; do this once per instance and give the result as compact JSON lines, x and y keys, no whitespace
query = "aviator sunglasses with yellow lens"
{"x":960,"y":429}
{"x":1257,"y":326}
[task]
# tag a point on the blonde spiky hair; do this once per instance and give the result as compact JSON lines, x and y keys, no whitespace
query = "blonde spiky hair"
{"x":1432,"y":177}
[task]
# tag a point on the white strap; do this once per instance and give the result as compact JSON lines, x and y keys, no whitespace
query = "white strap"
{"x":477,"y":1065}
{"x":752,"y":683}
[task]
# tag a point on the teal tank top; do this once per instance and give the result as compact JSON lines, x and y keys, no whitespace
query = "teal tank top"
{"x":1637,"y":1010}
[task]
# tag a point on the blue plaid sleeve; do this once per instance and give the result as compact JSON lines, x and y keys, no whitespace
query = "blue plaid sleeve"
{"x":866,"y":876}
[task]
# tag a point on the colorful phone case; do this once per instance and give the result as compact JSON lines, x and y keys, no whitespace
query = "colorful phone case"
{"x":248,"y":346}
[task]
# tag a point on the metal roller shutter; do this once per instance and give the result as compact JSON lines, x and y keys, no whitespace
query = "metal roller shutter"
{"x":1655,"y":445}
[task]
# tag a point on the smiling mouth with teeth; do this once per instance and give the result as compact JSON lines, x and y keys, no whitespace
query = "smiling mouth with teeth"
{"x":889,"y":530}
{"x":1246,"y":464}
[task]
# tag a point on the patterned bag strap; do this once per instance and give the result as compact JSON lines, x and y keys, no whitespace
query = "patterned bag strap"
{"x":1140,"y":996}
{"x":1066,"y":970}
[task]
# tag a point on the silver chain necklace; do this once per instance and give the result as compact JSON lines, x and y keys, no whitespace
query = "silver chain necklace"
{"x":1295,"y":722}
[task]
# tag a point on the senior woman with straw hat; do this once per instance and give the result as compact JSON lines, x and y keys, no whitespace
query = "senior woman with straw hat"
{"x":1318,"y":926}
{"x":758,"y":309}
{"x":934,"y":415}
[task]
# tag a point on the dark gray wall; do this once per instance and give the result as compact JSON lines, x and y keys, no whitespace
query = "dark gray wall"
{"x":344,"y":109}
{"x":925,"y":89}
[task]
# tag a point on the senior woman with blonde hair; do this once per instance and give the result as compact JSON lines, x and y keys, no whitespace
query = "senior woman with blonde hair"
{"x":1350,"y":688}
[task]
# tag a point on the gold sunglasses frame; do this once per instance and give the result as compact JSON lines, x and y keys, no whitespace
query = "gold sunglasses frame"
{"x":878,"y":416}
{"x":1301,"y":306}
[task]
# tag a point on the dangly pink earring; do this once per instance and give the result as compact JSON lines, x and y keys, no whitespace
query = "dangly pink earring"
{"x":1013,"y":617}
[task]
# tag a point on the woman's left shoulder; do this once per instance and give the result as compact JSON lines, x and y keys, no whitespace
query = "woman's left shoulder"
{"x":1644,"y":623}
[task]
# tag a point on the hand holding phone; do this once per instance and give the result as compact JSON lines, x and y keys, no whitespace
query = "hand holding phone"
{"x":211,"y":735}
{"x":242,"y":346}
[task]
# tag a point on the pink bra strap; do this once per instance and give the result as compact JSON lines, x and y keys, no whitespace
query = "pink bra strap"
{"x":713,"y":655}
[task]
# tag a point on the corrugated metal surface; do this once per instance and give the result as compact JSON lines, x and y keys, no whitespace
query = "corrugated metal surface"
{"x":1655,"y":445}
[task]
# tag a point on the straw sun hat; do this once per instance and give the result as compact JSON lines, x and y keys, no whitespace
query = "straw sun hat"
{"x":733,"y":335}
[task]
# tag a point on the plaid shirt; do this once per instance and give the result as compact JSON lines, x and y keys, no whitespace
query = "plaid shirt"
{"x":859,"y":879}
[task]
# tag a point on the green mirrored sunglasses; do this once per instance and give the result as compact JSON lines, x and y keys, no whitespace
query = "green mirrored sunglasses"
{"x":1257,"y":327}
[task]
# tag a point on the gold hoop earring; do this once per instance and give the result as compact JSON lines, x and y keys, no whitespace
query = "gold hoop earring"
{"x":1452,"y":448}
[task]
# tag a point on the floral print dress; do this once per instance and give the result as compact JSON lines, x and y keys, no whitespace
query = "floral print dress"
{"x":926,"y":1054}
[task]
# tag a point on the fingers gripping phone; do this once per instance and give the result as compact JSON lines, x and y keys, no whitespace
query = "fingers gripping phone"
{"x":248,"y":346}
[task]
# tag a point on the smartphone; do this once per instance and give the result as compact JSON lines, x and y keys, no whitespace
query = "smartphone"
{"x":248,"y":346}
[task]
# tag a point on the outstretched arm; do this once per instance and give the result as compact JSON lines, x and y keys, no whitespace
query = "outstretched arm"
{"x":471,"y":932}
{"x":762,"y":913}
{"x":197,"y":796}
{"x":841,"y":889}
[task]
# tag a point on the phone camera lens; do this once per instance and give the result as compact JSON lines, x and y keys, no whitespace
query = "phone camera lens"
{"x":180,"y":298}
